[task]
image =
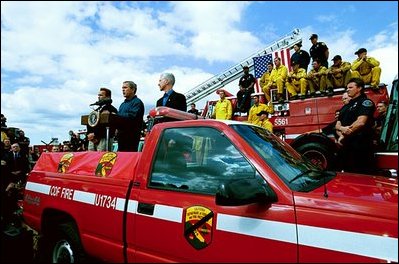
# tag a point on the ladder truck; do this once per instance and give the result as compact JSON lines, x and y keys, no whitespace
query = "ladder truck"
{"x":292,"y":120}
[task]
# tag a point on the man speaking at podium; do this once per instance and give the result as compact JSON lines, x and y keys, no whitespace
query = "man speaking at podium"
{"x":97,"y":135}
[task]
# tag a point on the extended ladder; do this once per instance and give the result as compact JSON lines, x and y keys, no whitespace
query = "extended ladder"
{"x":220,"y":80}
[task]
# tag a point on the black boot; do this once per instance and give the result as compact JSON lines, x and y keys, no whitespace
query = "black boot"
{"x":330,"y":91}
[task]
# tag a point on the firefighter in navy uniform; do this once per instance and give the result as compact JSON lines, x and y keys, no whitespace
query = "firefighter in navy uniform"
{"x":355,"y":130}
{"x":246,"y":84}
{"x":319,"y":50}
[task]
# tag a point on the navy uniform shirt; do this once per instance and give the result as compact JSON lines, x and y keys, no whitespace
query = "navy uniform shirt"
{"x":358,"y":107}
{"x":318,"y":51}
{"x":303,"y":59}
{"x":246,"y":80}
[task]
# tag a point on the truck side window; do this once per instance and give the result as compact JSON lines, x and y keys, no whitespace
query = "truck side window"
{"x":197,"y":159}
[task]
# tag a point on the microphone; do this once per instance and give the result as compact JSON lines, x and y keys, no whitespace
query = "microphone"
{"x":102,"y":102}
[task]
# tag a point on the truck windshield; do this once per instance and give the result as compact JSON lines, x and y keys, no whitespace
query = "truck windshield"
{"x":296,"y":171}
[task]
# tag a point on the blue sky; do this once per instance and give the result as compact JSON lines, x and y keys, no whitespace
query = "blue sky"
{"x":55,"y":56}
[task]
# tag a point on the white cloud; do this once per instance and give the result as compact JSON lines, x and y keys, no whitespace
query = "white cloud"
{"x":223,"y":47}
{"x":132,"y":32}
{"x":388,"y":58}
{"x":204,"y":16}
{"x":326,"y":18}
{"x":31,"y":79}
{"x":214,"y":31}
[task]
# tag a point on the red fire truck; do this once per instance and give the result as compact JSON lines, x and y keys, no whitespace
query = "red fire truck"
{"x":292,"y":120}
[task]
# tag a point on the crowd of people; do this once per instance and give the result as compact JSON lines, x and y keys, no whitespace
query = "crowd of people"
{"x":16,"y":161}
{"x":320,"y":80}
{"x":357,"y":133}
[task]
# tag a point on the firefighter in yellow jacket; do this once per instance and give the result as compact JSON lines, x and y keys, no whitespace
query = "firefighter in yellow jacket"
{"x":296,"y":81}
{"x":338,"y":75}
{"x":278,"y":77}
{"x":317,"y":79}
{"x":264,"y":80}
{"x":264,"y":121}
{"x":223,"y":108}
{"x":366,"y":68}
{"x":258,"y":107}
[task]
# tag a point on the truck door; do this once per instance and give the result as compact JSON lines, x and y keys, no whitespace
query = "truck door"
{"x":178,"y":219}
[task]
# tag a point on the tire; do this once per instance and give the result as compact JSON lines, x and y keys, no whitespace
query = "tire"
{"x":62,"y":245}
{"x":318,"y":154}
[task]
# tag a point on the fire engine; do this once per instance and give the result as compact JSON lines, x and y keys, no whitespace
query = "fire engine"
{"x":292,"y":120}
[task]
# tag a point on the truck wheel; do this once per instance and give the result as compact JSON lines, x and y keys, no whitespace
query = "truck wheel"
{"x":317,"y":154}
{"x":63,"y":245}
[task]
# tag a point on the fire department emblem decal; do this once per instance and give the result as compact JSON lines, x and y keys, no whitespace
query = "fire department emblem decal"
{"x":198,"y":226}
{"x":106,"y":164}
{"x":64,"y":163}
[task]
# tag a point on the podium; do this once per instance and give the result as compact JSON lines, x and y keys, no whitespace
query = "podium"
{"x":108,"y":120}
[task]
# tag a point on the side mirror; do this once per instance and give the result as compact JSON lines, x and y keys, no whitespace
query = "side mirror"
{"x":244,"y":191}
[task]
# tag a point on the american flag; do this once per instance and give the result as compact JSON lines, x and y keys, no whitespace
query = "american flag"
{"x":260,"y":63}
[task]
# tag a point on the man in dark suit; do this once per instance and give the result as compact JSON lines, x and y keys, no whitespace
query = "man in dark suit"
{"x":170,"y":98}
{"x":15,"y":166}
{"x":18,"y":164}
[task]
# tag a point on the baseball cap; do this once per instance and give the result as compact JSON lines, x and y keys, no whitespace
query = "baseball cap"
{"x":313,"y":36}
{"x":361,"y":50}
{"x":337,"y":57}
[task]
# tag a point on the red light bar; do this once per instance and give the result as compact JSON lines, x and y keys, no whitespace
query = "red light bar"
{"x":163,"y":111}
